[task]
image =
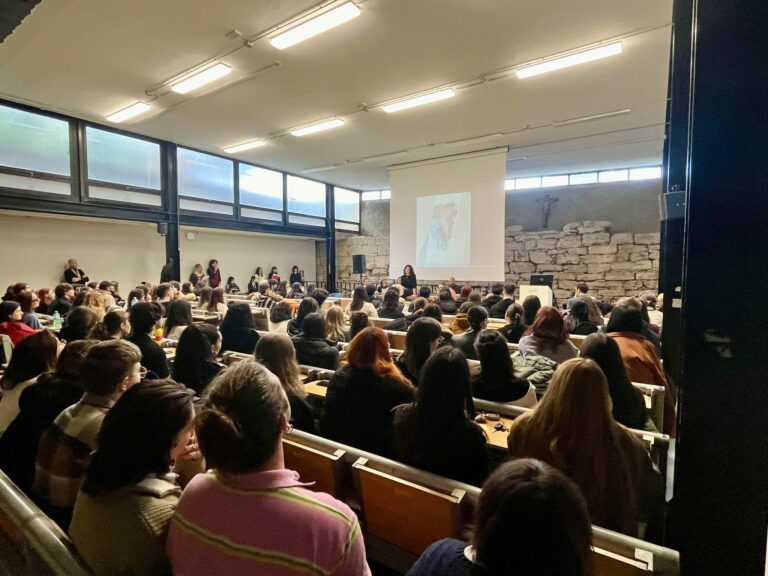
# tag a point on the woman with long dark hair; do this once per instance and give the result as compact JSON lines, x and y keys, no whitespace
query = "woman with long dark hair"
{"x":531,"y":307}
{"x":306,"y":306}
{"x":497,"y":381}
{"x":178,"y":315}
{"x":548,"y":337}
{"x":408,"y":281}
{"x":578,"y":321}
{"x":195,"y":362}
{"x":78,"y":324}
{"x":29,"y":302}
{"x":129,"y":495}
{"x":237,"y":329}
{"x":115,"y":325}
{"x":204,"y":298}
{"x":295,"y":276}
{"x":360,"y":303}
{"x":214,"y":274}
{"x":514,"y":328}
{"x":390,"y":305}
{"x":435,"y":433}
{"x":217,"y":304}
{"x":423,"y":338}
{"x":279,"y":317}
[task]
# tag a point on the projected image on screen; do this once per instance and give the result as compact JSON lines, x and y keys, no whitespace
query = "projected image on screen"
{"x":443,"y":229}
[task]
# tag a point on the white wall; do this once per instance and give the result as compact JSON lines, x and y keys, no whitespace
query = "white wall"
{"x":239,"y":253}
{"x":34,"y":248}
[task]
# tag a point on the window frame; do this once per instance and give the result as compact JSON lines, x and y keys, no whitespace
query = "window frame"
{"x":234,"y":205}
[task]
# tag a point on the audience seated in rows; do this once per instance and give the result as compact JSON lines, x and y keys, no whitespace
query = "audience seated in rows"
{"x":499,"y":309}
{"x":145,"y":317}
{"x":306,"y":306}
{"x":237,"y":329}
{"x":128,"y":496}
{"x":109,"y":369}
{"x":39,"y":404}
{"x":312,"y":349}
{"x":204,"y":298}
{"x":433,"y":311}
{"x":402,"y":324}
{"x":548,"y":337}
{"x":477,"y":316}
{"x":446,"y":302}
{"x":116,"y":325}
{"x":64,"y":294}
{"x":33,"y":356}
{"x":335,"y":325}
{"x":78,"y":324}
{"x":11,"y":323}
{"x":178,"y":315}
{"x":217,"y":303}
{"x":434,"y":433}
{"x":362,"y":393}
{"x":497,"y":381}
{"x":609,"y":463}
{"x":493,"y":297}
{"x":578,"y":321}
{"x":250,"y":498}
{"x":360,"y":303}
{"x":195,"y":362}
{"x":423,"y":338}
{"x":514,"y":328}
{"x":277,"y":354}
{"x":529,"y":519}
{"x":279,"y":316}
{"x":390,"y":306}
{"x":358,"y":321}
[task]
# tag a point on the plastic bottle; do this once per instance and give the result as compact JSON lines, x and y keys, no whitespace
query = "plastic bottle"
{"x":158,"y":334}
{"x":56,"y":321}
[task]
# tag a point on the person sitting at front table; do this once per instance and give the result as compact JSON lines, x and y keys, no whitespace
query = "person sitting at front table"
{"x":74,"y":275}
{"x":408,"y":281}
{"x":11,"y":324}
{"x":214,"y":274}
{"x":231,"y":286}
{"x":477,"y":316}
{"x":548,"y":337}
{"x":144,"y":319}
{"x":434,"y":433}
{"x":360,"y":304}
{"x":362,"y":393}
{"x":529,"y":519}
{"x":249,"y":514}
{"x":295,"y":276}
{"x":312,"y":349}
{"x":274,"y":274}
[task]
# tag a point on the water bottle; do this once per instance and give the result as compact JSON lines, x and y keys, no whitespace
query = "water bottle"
{"x":56,"y":320}
{"x":134,"y":301}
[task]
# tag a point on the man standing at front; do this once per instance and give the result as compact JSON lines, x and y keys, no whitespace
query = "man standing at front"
{"x":74,"y":275}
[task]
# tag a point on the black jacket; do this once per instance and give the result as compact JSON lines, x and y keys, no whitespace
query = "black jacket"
{"x":60,"y":305}
{"x":409,"y":283}
{"x":448,"y":306}
{"x":315,"y":352}
{"x":69,"y":274}
{"x":358,"y":408}
{"x":496,"y":391}
{"x":500,"y":308}
{"x":152,"y":355}
{"x":585,"y":328}
{"x":239,"y":340}
{"x":302,"y":414}
{"x":513,"y":332}
{"x":490,"y":301}
{"x":466,"y":343}
{"x":387,"y":313}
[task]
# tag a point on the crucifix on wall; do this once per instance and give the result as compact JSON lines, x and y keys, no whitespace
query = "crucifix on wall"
{"x":547,"y":200}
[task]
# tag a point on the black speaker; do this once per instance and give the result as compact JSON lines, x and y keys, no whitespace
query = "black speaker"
{"x":358,"y":264}
{"x":162,"y":228}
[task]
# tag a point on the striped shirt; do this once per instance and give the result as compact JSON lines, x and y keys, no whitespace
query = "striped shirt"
{"x":263,"y":523}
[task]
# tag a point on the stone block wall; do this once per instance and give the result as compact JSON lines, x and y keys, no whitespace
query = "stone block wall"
{"x":614,"y":264}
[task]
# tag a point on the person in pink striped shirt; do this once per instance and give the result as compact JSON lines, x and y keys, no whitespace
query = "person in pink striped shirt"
{"x":249,"y":514}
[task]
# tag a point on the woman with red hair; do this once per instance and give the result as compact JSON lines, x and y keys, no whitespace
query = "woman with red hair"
{"x":548,"y":337}
{"x":362,"y":393}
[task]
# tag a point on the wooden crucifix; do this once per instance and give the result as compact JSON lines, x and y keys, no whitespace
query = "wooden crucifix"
{"x":547,"y":200}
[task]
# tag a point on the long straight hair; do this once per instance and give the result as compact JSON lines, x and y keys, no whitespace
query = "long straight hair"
{"x":359,"y":298}
{"x":217,"y":297}
{"x":276,"y":352}
{"x":334,"y":323}
{"x":178,"y":313}
{"x":31,"y":357}
{"x":370,"y":349}
{"x":418,"y":342}
{"x":548,"y":327}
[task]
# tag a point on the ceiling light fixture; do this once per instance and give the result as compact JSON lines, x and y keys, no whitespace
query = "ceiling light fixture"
{"x":317,"y":127}
{"x":569,"y":59}
{"x":245,"y":146}
{"x":386,"y":156}
{"x":580,"y":119}
{"x":130,"y":112}
{"x":320,"y":169}
{"x":418,"y":100}
{"x":475,"y":140}
{"x":317,"y":25}
{"x":210,"y":74}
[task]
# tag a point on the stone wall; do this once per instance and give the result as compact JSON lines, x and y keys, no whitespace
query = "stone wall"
{"x":614,"y":264}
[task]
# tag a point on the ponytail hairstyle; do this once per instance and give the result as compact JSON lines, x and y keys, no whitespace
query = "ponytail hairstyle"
{"x":515,"y":314}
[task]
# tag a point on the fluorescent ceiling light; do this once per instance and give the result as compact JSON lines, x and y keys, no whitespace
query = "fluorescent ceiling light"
{"x":475,"y":140}
{"x":129,"y":112}
{"x":420,"y":100}
{"x":573,"y":59}
{"x":319,"y":169}
{"x":592,"y":117}
{"x":318,"y":127}
{"x":387,"y":156}
{"x":315,"y":26}
{"x":245,"y":146}
{"x":202,"y":78}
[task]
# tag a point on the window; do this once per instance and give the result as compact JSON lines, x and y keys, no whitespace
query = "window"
{"x":122,"y":160}
{"x":613,"y":176}
{"x":386,"y":194}
{"x":552,"y":181}
{"x":583,"y":178}
{"x":306,"y":197}
{"x":34,"y":142}
{"x":261,"y":188}
{"x":648,"y":173}
{"x":509,"y":184}
{"x":527,"y":183}
{"x":347,"y":205}
{"x":372,"y":195}
{"x":205,"y":176}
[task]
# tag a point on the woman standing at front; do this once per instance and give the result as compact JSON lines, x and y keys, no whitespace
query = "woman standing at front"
{"x":295,"y":276}
{"x":408,"y":281}
{"x":214,"y":274}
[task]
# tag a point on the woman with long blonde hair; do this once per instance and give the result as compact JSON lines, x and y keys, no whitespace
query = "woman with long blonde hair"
{"x":573,"y":430}
{"x":335,"y":324}
{"x":362,"y":393}
{"x":95,"y":301}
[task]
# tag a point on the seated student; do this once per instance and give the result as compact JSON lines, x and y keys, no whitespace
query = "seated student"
{"x":640,"y":358}
{"x":358,"y":321}
{"x":231,"y":286}
{"x":463,"y":295}
{"x":514,"y":327}
{"x":312,"y":349}
{"x":279,"y":316}
{"x":360,"y":303}
{"x":306,"y":306}
{"x":164,"y":295}
{"x":217,"y":304}
{"x":45,"y":296}
{"x":578,"y":321}
{"x":63,"y":302}
{"x":116,"y":325}
{"x":250,"y":498}
{"x":358,"y":405}
{"x":653,"y":307}
{"x":320,"y":295}
{"x":282,"y":288}
{"x":335,"y":325}
{"x":107,"y":290}
{"x":188,"y":292}
{"x":122,"y":512}
{"x":144,"y":319}
{"x":531,"y":307}
{"x":256,"y":279}
{"x":529,"y":519}
{"x":573,"y":430}
{"x":425,"y":292}
{"x":493,"y":297}
{"x":109,"y":369}
{"x":178,"y":315}
{"x":432,"y":310}
{"x":296,"y":292}
{"x":78,"y":324}
{"x":434,"y":433}
{"x":645,"y":330}
{"x":460,"y":324}
{"x":39,"y":404}
{"x":276,"y":353}
{"x":29,"y":302}
{"x":446,"y":302}
{"x":477,"y":316}
{"x":390,"y":305}
{"x":195,"y":362}
{"x":628,"y":402}
{"x":237,"y":329}
{"x":402,"y":324}
{"x":372,"y":297}
{"x":32,"y":357}
{"x":93,"y":300}
{"x":204,"y":298}
{"x":548,"y":337}
{"x":499,"y":309}
{"x":423,"y":338}
{"x":497,"y":381}
{"x":11,"y":324}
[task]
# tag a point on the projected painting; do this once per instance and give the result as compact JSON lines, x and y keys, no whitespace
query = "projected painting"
{"x":443,"y":229}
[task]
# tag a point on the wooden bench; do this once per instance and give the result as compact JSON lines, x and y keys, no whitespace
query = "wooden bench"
{"x":320,"y":466}
{"x":654,"y":397}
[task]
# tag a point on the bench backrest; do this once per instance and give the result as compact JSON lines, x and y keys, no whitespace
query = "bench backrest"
{"x":314,"y":464}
